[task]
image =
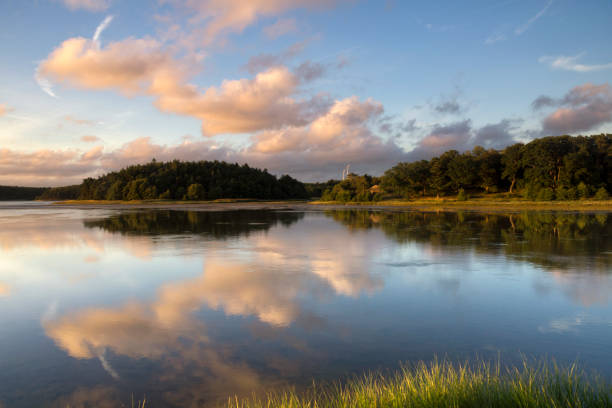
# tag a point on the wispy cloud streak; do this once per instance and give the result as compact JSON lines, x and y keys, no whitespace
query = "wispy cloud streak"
{"x":44,"y":83}
{"x":524,"y":27}
{"x":105,"y":23}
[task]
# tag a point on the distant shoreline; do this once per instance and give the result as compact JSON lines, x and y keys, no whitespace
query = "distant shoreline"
{"x":447,"y":204}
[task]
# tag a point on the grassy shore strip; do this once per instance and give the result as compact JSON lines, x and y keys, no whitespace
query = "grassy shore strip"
{"x":441,"y":384}
{"x":481,"y":204}
{"x":175,"y":202}
{"x":420,"y":204}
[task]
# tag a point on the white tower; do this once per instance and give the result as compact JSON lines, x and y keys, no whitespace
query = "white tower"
{"x":345,"y":172}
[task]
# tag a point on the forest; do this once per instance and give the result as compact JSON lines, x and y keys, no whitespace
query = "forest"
{"x":10,"y":193}
{"x":549,"y":168}
{"x":178,"y":180}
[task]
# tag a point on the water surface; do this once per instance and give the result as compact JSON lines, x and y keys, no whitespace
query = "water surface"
{"x":190,"y":307}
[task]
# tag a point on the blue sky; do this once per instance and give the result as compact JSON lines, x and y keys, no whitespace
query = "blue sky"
{"x":295,"y":86}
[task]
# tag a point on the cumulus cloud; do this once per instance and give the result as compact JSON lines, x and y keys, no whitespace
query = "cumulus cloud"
{"x":313,"y":151}
{"x":443,"y":137}
{"x":89,"y":5}
{"x":462,"y":136}
{"x":583,"y":108}
{"x":316,"y":150}
{"x":244,"y":105}
{"x":143,"y":66}
{"x":46,"y":167}
{"x":342,"y":134}
{"x":233,"y":16}
{"x":524,"y":27}
{"x":496,"y":135}
{"x":570,"y":63}
{"x":344,"y":121}
{"x":281,"y":27}
{"x":131,"y":66}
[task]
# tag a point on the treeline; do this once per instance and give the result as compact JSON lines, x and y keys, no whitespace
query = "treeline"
{"x":10,"y":193}
{"x":549,"y":168}
{"x":178,"y":180}
{"x":61,"y":193}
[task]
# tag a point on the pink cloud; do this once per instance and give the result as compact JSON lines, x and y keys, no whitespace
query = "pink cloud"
{"x":45,"y":167}
{"x":442,"y":138}
{"x":233,"y":16}
{"x":131,"y":66}
{"x":244,"y":105}
{"x":90,"y":139}
{"x":343,"y":125}
{"x":142,"y":66}
{"x":583,"y":108}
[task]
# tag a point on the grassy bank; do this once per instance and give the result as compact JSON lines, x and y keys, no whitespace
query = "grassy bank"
{"x":500,"y":204}
{"x":442,"y":384}
{"x":482,"y":204}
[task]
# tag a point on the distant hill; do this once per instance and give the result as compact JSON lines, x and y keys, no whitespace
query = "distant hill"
{"x":178,"y":180}
{"x":10,"y":193}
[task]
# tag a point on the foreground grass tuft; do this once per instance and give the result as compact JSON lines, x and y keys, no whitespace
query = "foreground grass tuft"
{"x":443,"y":384}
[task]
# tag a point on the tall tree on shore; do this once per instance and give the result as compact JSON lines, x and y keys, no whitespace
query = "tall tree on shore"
{"x":512,"y":160}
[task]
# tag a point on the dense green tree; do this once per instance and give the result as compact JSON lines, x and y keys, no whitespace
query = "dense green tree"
{"x":407,"y":179}
{"x":440,"y":180}
{"x":176,"y":180}
{"x":115,"y":191}
{"x":488,"y":164}
{"x":195,"y":192}
{"x":512,"y":161}
{"x":9,"y":193}
{"x":462,"y":171}
{"x":562,"y":167}
{"x":355,"y":188}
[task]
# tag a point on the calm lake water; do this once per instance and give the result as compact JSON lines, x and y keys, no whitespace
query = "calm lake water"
{"x":190,"y":307}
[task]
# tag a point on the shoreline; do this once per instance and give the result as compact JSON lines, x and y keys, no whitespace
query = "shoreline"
{"x":450,"y":205}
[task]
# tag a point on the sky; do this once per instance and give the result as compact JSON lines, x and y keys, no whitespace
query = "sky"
{"x":299,"y":87}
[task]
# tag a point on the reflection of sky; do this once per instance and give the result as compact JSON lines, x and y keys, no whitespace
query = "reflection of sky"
{"x":311,"y":299}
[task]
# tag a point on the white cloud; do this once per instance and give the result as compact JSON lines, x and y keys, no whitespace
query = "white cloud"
{"x":88,"y":5}
{"x":570,"y":63}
